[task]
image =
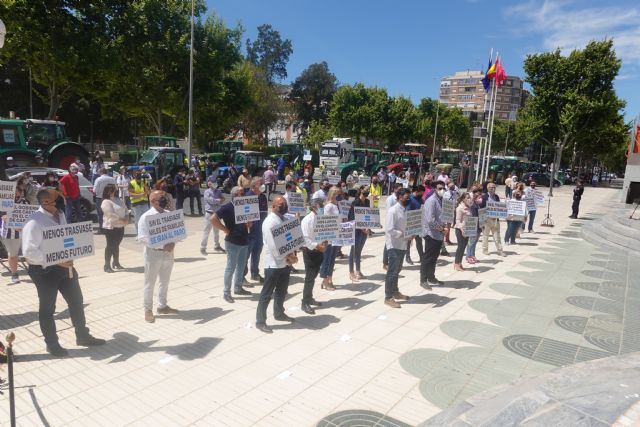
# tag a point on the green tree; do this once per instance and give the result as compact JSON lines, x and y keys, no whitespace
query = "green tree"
{"x":360,"y":111}
{"x":454,"y":129}
{"x":504,"y":135}
{"x":318,"y":132}
{"x":403,"y":120}
{"x":311,"y":94}
{"x":270,"y":53}
{"x":573,"y":99}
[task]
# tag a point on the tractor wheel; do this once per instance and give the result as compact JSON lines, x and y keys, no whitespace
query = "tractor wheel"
{"x":65,"y":155}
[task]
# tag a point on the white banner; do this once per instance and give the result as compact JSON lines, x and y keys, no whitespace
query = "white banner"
{"x":414,"y":223}
{"x":166,"y":227}
{"x":333,"y":179}
{"x":471,"y":226}
{"x":20,"y":214}
{"x":531,"y":204}
{"x":516,"y":207}
{"x":7,"y":195}
{"x":246,"y":209}
{"x":346,"y":235}
{"x":345,"y":207}
{"x":295,"y":201}
{"x":482,"y":216}
{"x":367,"y":217}
{"x":497,"y":210}
{"x":288,"y":236}
{"x":62,"y":243}
{"x":327,"y":227}
{"x":364,"y":180}
{"x":538,"y":196}
{"x":448,"y":211}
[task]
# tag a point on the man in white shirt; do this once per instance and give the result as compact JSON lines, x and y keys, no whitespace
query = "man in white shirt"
{"x":392,"y":199}
{"x":122,"y":182}
{"x":49,"y":280}
{"x":277,"y":269}
{"x":323,"y":191}
{"x":98,"y":190}
{"x":396,"y":244}
{"x":311,"y":255}
{"x":158,"y":262}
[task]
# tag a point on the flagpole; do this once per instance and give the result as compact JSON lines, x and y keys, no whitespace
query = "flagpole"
{"x":484,"y":164}
{"x":493,"y":117}
{"x":484,"y":119}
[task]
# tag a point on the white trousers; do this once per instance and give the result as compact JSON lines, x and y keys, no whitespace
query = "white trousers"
{"x":207,"y":230}
{"x":492,"y":227}
{"x":157,"y":267}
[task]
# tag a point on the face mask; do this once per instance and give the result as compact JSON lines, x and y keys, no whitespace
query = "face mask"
{"x":60,"y":203}
{"x":366,"y":194}
{"x":263,"y":188}
{"x":163,"y":202}
{"x":320,"y":211}
{"x":282,"y":209}
{"x":440,"y":193}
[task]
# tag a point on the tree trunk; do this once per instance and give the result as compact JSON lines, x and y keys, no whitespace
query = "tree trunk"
{"x":159,"y":125}
{"x":54,"y":101}
{"x":557,"y":158}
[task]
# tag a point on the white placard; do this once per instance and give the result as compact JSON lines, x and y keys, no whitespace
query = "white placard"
{"x":367,"y":217}
{"x":516,"y":207}
{"x":404,"y":182}
{"x":288,"y":236}
{"x":471,"y":226}
{"x":496,"y":210}
{"x":448,"y":211}
{"x":20,"y":214}
{"x":306,"y":157}
{"x":482,"y":216}
{"x":62,"y":243}
{"x":166,"y":227}
{"x":531,"y":204}
{"x":345,"y":207}
{"x":414,"y":223}
{"x":246,"y":209}
{"x":333,"y":179}
{"x":347,"y":235}
{"x":327,"y":227}
{"x":364,"y":180}
{"x":295,"y":201}
{"x":7,"y":195}
{"x":538,"y":196}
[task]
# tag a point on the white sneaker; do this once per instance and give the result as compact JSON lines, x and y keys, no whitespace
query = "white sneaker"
{"x":15,"y":279}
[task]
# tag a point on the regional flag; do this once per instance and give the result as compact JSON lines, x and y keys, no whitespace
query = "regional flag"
{"x":636,"y":148}
{"x":486,"y":81}
{"x":500,"y":73}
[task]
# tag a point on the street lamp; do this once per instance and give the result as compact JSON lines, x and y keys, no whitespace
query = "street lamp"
{"x":3,"y":32}
{"x":190,"y":131}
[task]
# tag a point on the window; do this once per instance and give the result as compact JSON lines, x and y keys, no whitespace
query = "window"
{"x":469,"y":89}
{"x":9,"y":136}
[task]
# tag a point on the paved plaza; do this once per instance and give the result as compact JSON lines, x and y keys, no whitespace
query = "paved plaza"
{"x":555,"y":300}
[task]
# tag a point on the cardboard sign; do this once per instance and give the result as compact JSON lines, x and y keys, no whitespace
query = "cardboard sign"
{"x":367,"y":217}
{"x":531,"y":204}
{"x":20,"y":214}
{"x":333,"y":179}
{"x":345,"y":207}
{"x":7,"y":195}
{"x":538,"y":196}
{"x":295,"y":201}
{"x":448,"y":211}
{"x":327,"y":227}
{"x":497,"y":210}
{"x":346,"y":235}
{"x":67,"y":242}
{"x":414,"y":223}
{"x":306,"y":157}
{"x":288,"y":236}
{"x":364,"y":180}
{"x":246,"y":209}
{"x":516,"y":207}
{"x":482,"y":216}
{"x":471,"y":226}
{"x":166,"y":227}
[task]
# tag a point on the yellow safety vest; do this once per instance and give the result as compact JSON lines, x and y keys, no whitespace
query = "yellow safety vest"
{"x":137,"y":188}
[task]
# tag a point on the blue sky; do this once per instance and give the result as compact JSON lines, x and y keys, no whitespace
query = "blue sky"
{"x":405,"y":46}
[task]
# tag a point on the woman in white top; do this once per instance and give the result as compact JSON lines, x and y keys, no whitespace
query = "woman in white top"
{"x":329,"y":255}
{"x":114,"y":219}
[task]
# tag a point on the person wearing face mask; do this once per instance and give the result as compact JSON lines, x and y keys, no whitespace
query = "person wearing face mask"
{"x":323,"y":191}
{"x":55,"y":278}
{"x":11,"y":238}
{"x":277,"y":269}
{"x":158,"y":262}
{"x":361,"y":235}
{"x":492,"y":225}
{"x":254,"y":249}
{"x":329,"y":256}
{"x":415,"y":203}
{"x":375,"y":190}
{"x":462,"y":212}
{"x":213,"y":199}
{"x":138,"y":192}
{"x":28,"y":188}
{"x":51,"y":181}
{"x":578,"y":191}
{"x":433,"y":237}
{"x":392,"y":200}
{"x":71,"y":190}
{"x":396,"y":244}
{"x":513,"y":223}
{"x":476,"y":204}
{"x":311,"y":255}
{"x":528,"y":194}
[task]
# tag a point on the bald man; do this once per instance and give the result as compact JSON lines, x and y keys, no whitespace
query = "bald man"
{"x":277,"y":269}
{"x":50,"y":280}
{"x":158,"y":262}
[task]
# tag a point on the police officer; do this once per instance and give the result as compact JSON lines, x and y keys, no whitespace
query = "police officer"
{"x":49,"y":280}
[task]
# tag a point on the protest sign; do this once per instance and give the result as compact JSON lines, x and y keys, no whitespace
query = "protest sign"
{"x":295,"y":201}
{"x":346,"y":235}
{"x":414,"y":223}
{"x":288,"y":236}
{"x":364,"y":180}
{"x":20,"y":214}
{"x":166,"y":227}
{"x":482,"y":216}
{"x":531,"y":204}
{"x":333,"y":179}
{"x":326,"y":228}
{"x":448,"y":211}
{"x":538,"y":196}
{"x":367,"y":217}
{"x":344,"y":206}
{"x":7,"y":195}
{"x":520,"y":218}
{"x":497,"y":210}
{"x":471,"y":226}
{"x":62,"y":243}
{"x":246,"y":209}
{"x":516,"y":207}
{"x":404,"y":182}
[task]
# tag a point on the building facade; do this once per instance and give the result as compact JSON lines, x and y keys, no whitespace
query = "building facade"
{"x":464,"y":90}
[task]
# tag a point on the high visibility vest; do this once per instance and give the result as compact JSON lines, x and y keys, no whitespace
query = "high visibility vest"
{"x":137,"y":188}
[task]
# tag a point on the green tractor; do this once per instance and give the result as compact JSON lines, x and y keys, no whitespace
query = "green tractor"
{"x":160,"y":162}
{"x":291,"y":152}
{"x":365,"y":160}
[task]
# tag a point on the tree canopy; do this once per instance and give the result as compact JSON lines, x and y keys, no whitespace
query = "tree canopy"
{"x":311,"y":94}
{"x":269,"y":52}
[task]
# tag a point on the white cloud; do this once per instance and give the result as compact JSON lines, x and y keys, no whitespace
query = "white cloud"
{"x":563,"y":24}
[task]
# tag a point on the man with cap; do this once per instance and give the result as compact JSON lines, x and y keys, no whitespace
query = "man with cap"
{"x":56,"y":278}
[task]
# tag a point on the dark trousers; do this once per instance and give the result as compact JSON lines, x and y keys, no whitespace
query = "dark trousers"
{"x":99,"y":212}
{"x":532,"y":217}
{"x":270,"y":188}
{"x":385,"y":256}
{"x":462,"y":245}
{"x":180,"y":196}
{"x":48,"y":282}
{"x":195,"y":195}
{"x":112,"y":250}
{"x":512,"y":231}
{"x":253,"y":256}
{"x":575,"y":207}
{"x":73,"y":206}
{"x":312,"y":261}
{"x":275,"y":279}
{"x":418,"y":241}
{"x":396,"y":256}
{"x":356,"y":250}
{"x":429,"y":258}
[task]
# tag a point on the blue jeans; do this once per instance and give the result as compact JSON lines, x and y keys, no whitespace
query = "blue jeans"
{"x":328,"y":261}
{"x":532,"y":217}
{"x":99,"y":211}
{"x":396,"y":257}
{"x":73,"y":205}
{"x":512,"y":231}
{"x":471,"y":245}
{"x":236,"y":260}
{"x":253,"y":252}
{"x":356,"y":250}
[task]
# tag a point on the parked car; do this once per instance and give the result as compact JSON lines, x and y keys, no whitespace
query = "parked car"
{"x":540,"y":179}
{"x":39,"y":173}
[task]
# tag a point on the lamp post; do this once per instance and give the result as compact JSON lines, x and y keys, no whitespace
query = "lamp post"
{"x":190,"y":131}
{"x":435,"y":131}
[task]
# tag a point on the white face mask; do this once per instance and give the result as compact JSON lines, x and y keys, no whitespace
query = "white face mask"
{"x":263,"y":188}
{"x":441,"y":193}
{"x":320,"y":211}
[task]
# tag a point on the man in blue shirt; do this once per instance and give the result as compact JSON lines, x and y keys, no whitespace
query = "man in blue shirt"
{"x":415,"y":203}
{"x":433,"y":236}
